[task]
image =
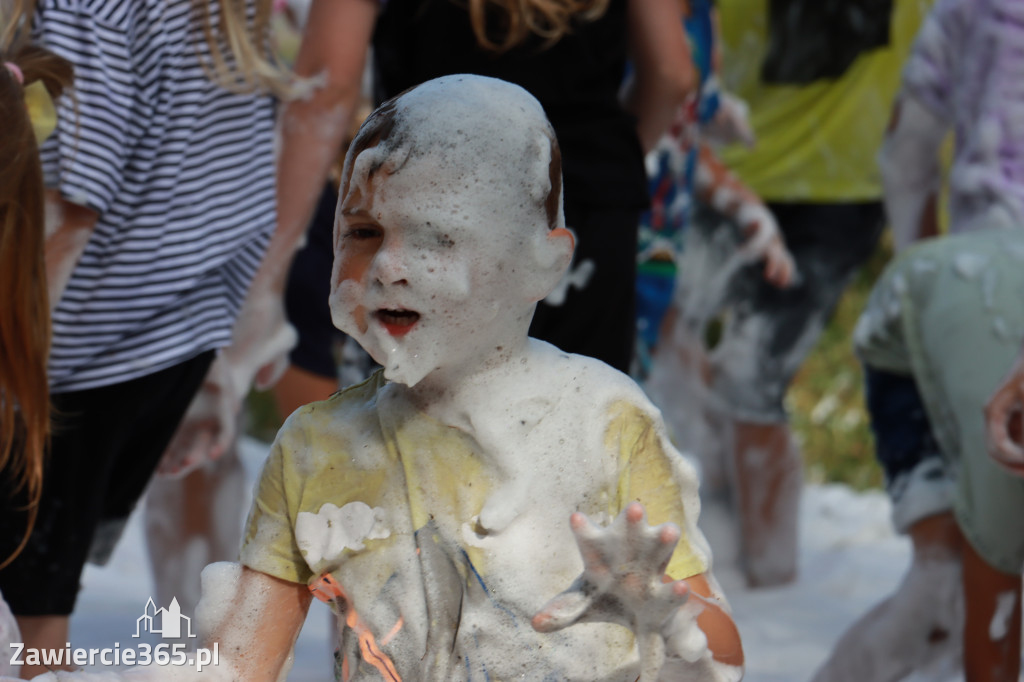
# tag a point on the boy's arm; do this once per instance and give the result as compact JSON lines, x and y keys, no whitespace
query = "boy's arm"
{"x":257,"y":634}
{"x":254,"y":627}
{"x":722,"y":634}
{"x":716,"y":623}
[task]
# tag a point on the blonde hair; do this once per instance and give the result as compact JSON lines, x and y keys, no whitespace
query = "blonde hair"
{"x":25,"y":315}
{"x":243,"y":60}
{"x":519,"y":19}
{"x":240,"y":50}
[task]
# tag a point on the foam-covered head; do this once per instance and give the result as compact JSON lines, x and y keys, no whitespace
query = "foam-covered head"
{"x":450,"y":225}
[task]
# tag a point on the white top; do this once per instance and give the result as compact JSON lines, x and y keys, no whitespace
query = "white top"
{"x":181,"y":172}
{"x":966,"y":70}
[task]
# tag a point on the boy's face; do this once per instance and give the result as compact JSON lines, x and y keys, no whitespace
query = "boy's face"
{"x":427,"y":270}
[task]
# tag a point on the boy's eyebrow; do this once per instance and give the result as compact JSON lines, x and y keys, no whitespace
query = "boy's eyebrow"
{"x":356,"y":212}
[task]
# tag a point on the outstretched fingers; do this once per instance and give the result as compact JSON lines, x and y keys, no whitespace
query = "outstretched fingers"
{"x":623,"y":579}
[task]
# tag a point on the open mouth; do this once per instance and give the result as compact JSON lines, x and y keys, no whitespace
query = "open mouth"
{"x":397,"y":322}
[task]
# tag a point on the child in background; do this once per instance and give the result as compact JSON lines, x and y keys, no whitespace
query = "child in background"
{"x":435,"y":505}
{"x":819,"y":78}
{"x":704,"y":231}
{"x":942,"y":326}
{"x":161,"y":173}
{"x":683,"y":174}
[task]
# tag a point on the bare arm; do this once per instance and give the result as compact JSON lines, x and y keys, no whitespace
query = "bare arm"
{"x":263,"y":623}
{"x":254,"y":621}
{"x":334,"y":47}
{"x":909,"y":161}
{"x":716,"y":623}
{"x":333,"y":51}
{"x":663,"y":68}
{"x":718,"y":187}
{"x":333,"y":54}
{"x":68,"y":229}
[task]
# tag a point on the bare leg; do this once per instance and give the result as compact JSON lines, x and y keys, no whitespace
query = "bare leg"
{"x":678,"y":384}
{"x":42,"y":632}
{"x":919,"y":623}
{"x":992,"y":627}
{"x":752,"y":467}
{"x":191,"y":522}
{"x":767,"y":481}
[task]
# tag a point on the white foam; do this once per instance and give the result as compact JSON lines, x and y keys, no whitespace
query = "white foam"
{"x":328,"y":533}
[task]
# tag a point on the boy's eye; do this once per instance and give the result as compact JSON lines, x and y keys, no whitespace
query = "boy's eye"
{"x":360,"y":232}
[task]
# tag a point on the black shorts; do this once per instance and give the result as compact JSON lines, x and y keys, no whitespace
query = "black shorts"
{"x":768,"y":331}
{"x":899,"y":421}
{"x":307,"y":292}
{"x":106,"y":444}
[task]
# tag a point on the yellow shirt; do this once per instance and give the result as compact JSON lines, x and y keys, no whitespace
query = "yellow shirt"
{"x":816,"y":142}
{"x":388,"y":501}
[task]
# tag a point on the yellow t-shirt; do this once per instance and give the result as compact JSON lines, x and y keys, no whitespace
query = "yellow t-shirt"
{"x":816,"y":142}
{"x":389,"y":501}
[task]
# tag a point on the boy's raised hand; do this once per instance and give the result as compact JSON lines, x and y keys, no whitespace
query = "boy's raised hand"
{"x":623,"y":581}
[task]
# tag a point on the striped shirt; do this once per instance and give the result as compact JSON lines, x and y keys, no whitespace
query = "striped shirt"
{"x":181,"y":173}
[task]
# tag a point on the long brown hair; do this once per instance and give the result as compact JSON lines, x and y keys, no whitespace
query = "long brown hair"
{"x":25,"y":314}
{"x":519,"y":19}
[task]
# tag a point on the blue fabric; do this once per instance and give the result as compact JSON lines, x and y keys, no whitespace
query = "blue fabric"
{"x":671,"y":186}
{"x":903,"y":434}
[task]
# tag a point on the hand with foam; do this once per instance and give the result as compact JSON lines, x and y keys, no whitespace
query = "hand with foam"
{"x":1003,"y":418}
{"x":257,"y":357}
{"x":260,"y":341}
{"x":622,"y":582}
{"x":723,"y":191}
{"x":730,"y":123}
{"x":763,"y":241}
{"x":209,"y":425}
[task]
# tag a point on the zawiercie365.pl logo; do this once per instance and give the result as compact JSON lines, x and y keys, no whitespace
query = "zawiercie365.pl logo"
{"x":168,"y":622}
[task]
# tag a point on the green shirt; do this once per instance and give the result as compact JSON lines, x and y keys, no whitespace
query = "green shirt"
{"x":818,"y":141}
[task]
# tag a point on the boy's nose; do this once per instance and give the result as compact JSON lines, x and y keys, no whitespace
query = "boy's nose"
{"x":389,"y":265}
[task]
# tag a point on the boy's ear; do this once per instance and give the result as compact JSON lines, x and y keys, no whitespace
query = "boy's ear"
{"x":552,"y":259}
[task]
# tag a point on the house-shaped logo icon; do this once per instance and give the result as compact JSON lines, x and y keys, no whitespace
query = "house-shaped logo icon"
{"x":164,"y":622}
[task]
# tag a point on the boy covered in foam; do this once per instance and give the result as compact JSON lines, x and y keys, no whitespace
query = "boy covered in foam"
{"x":438,"y":506}
{"x":431,"y":504}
